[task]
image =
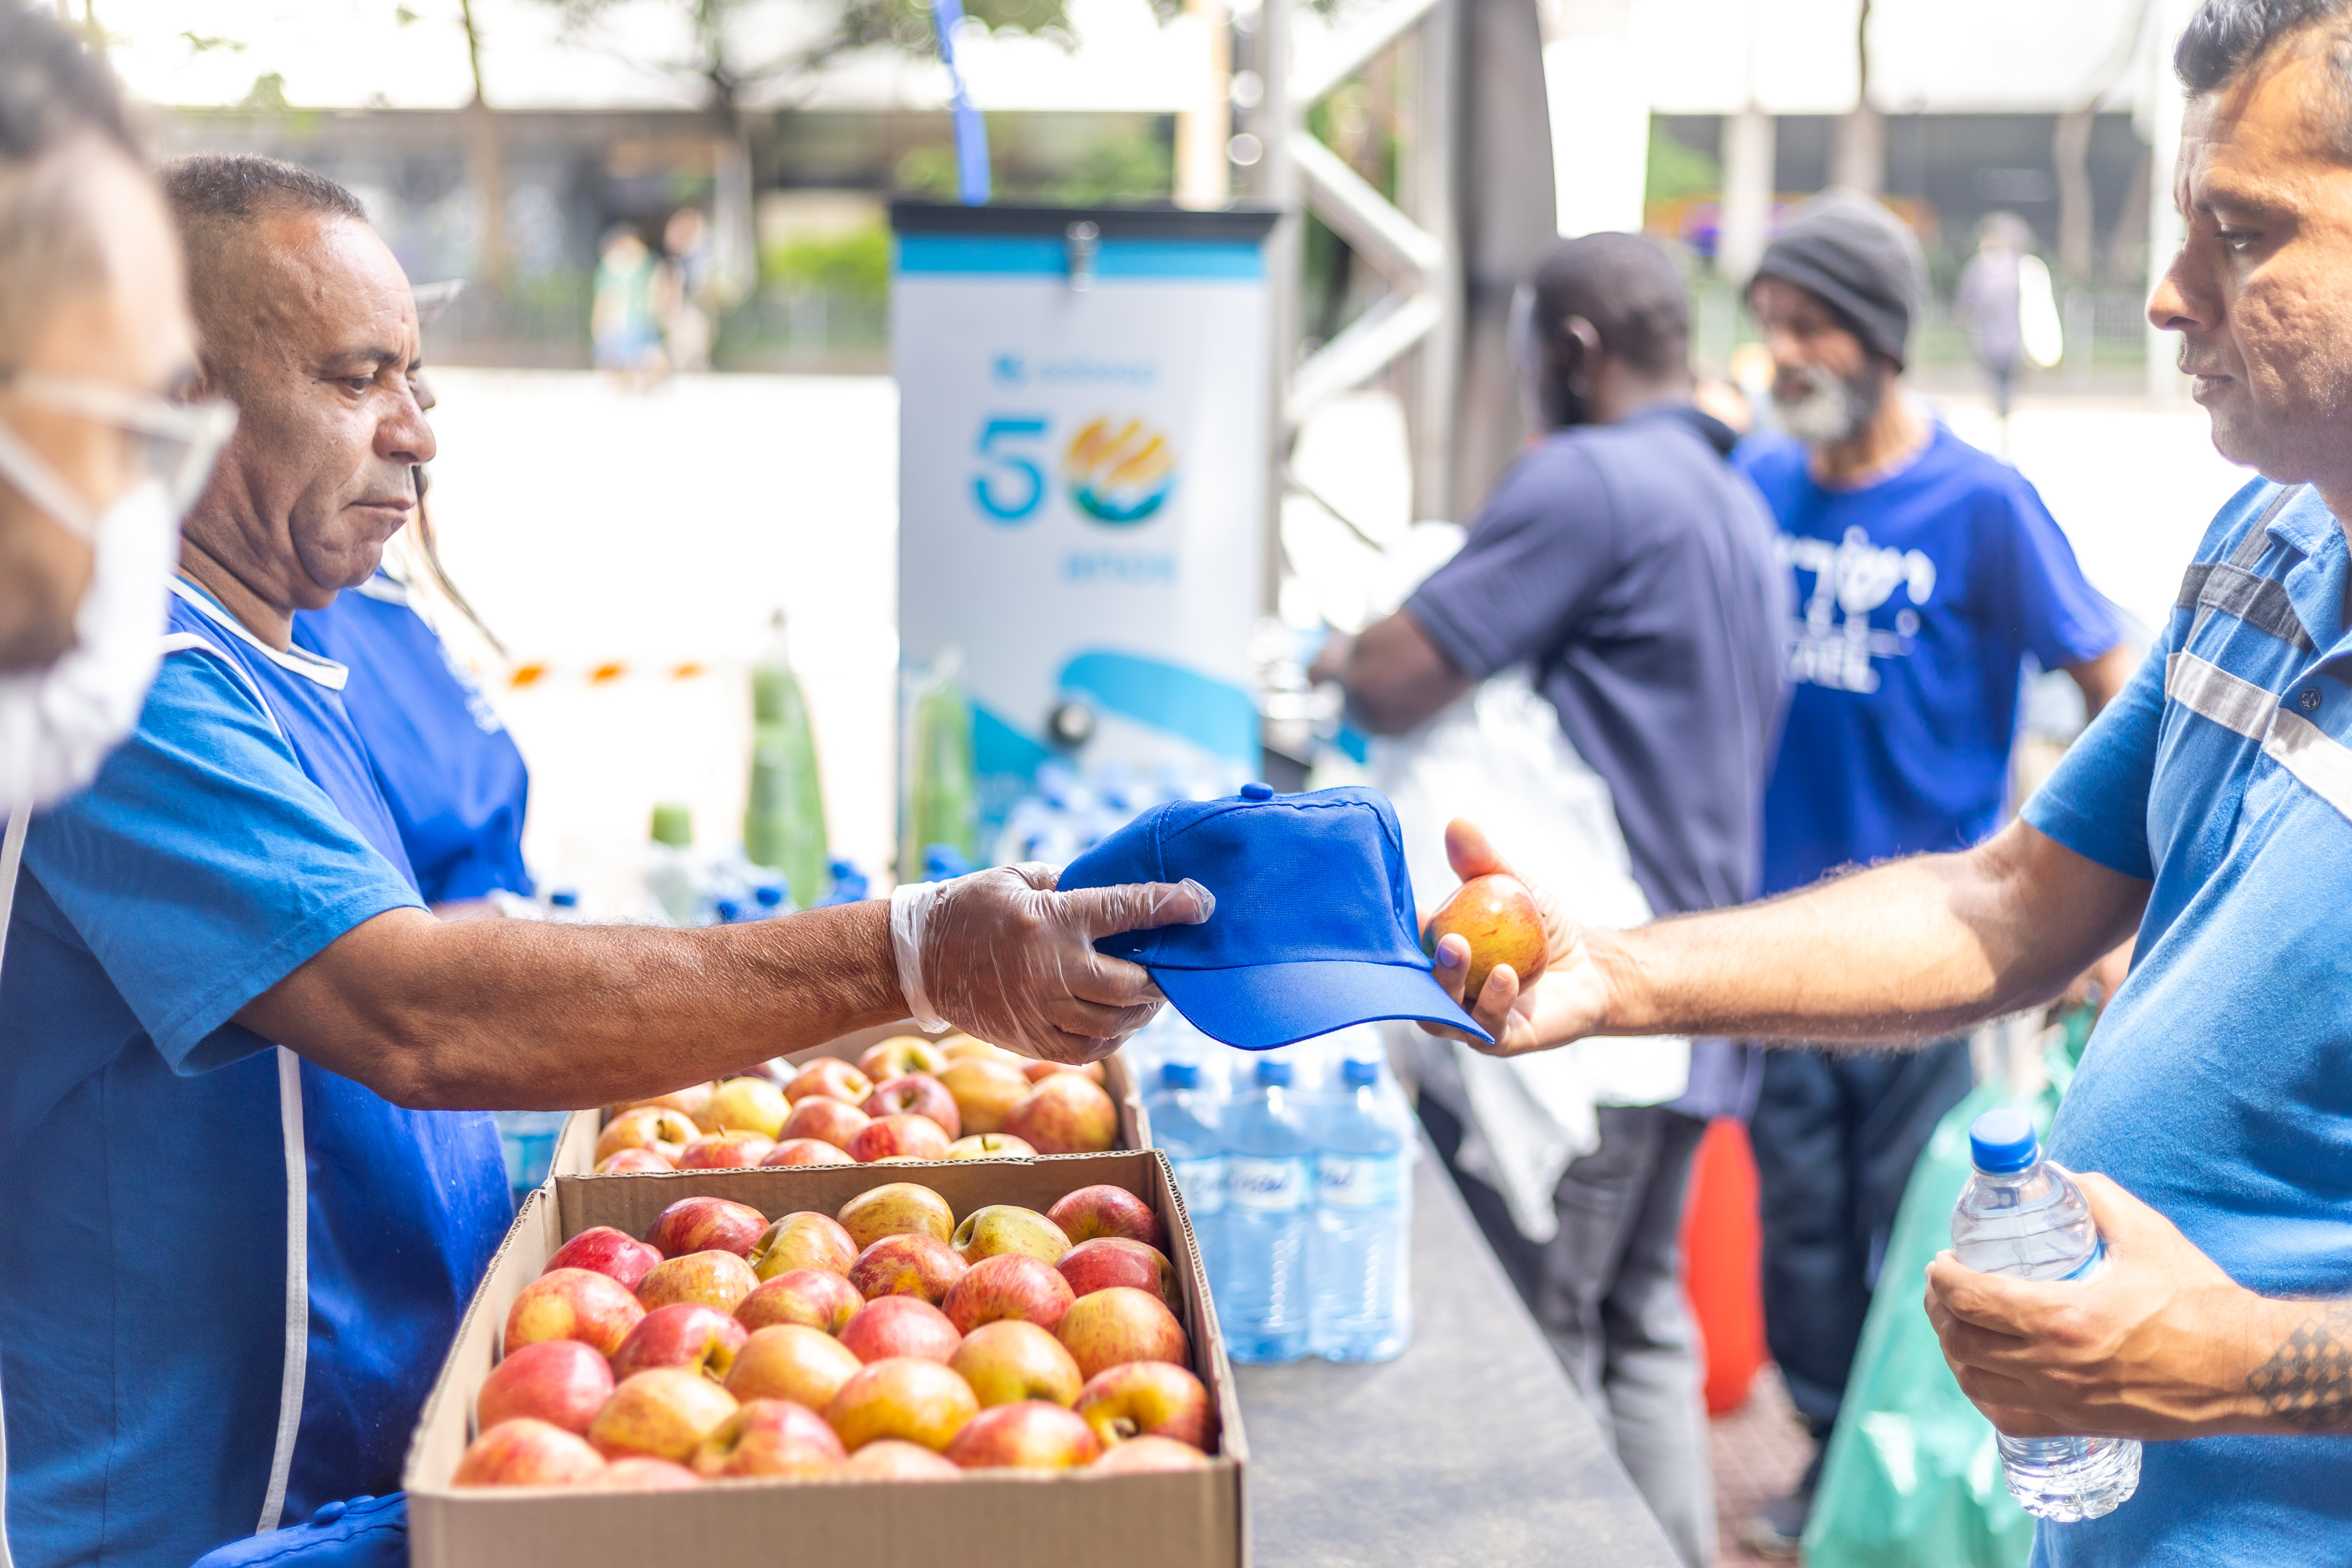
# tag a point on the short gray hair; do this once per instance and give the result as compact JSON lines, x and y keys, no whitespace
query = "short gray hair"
{"x":239,"y":187}
{"x":2226,"y":38}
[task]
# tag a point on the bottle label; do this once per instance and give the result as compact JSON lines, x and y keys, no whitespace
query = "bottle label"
{"x":1359,"y":1182}
{"x":1203,"y":1182}
{"x":1277,"y":1187}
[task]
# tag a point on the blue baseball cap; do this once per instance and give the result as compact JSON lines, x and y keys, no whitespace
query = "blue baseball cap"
{"x":1314,"y":928}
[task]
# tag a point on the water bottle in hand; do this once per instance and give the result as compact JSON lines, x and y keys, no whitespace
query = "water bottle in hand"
{"x":2023,"y":1217}
{"x":1358,"y":1251}
{"x":1269,"y":1186}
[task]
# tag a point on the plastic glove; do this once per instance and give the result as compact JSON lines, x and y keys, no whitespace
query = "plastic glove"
{"x":1000,"y":954}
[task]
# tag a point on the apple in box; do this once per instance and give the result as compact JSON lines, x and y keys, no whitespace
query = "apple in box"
{"x":1066,"y":1113}
{"x":896,"y":1460}
{"x":1121,"y":1324}
{"x":1010,"y":1285}
{"x":815,"y":1298}
{"x":560,"y":1382}
{"x":826,"y":1120}
{"x":747,"y":1105}
{"x":1031,"y":1435}
{"x":526,"y":1453}
{"x":700,"y":1225}
{"x":1111,"y":1211}
{"x":729,"y":1150}
{"x":807,"y":1150}
{"x":714,"y":1279}
{"x":832,"y":1077}
{"x":791,"y":1362}
{"x":997,"y":1228}
{"x":685,"y":1102}
{"x":906,"y":1265}
{"x":896,"y":1208}
{"x":690,"y":1336}
{"x":572,"y":1304}
{"x":802,"y":1240}
{"x":769,"y":1438}
{"x":1110,"y":1260}
{"x":1498,"y":917}
{"x":624,"y":1160}
{"x":985,"y":1090}
{"x":1010,"y":1360}
{"x":1140,"y":1455}
{"x":903,"y":1396}
{"x":901,"y":1055}
{"x":606,"y":1251}
{"x":1035,"y":1072}
{"x":663,"y":1414}
{"x":653,"y":1127}
{"x":1146,"y":1399}
{"x":918,"y":1094}
{"x":637,"y":1473}
{"x":904,"y":1136}
{"x":989,"y":1146}
{"x":900,"y":1326}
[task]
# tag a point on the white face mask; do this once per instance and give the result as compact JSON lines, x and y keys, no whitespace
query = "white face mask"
{"x":58,"y":724}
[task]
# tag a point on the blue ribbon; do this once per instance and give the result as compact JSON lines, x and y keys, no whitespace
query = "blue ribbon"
{"x":970,"y":131}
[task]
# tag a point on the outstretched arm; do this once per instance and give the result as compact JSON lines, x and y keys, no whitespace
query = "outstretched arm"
{"x":1903,"y":951}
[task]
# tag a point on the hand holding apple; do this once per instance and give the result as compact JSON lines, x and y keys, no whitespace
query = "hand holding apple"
{"x":1498,"y":917}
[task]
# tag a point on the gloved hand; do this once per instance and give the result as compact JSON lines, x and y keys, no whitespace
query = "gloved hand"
{"x":1002,"y":956}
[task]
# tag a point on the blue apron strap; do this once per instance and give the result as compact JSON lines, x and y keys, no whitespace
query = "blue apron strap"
{"x":298,"y":1189}
{"x":12,"y":856}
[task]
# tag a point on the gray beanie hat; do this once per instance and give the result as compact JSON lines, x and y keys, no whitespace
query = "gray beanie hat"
{"x":1860,"y":259}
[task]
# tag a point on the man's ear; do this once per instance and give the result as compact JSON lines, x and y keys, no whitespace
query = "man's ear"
{"x":1579,"y":352}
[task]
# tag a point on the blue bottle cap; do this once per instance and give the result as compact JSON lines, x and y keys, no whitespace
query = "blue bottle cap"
{"x":1258,"y":792}
{"x":727,"y":912}
{"x":1180,"y":1075}
{"x":564,"y":898}
{"x":840,"y":868}
{"x":1273,"y":1074}
{"x":768,"y":896}
{"x":2001,"y":1143}
{"x":1359,"y":1075}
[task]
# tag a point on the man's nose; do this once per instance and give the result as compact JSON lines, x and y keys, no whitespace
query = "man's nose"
{"x":1784,"y":346}
{"x":405,"y":435}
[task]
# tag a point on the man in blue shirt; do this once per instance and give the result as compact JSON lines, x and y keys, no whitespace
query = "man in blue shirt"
{"x":1624,"y":560}
{"x":2208,"y":809}
{"x":1927,"y":571}
{"x":248,"y":1196}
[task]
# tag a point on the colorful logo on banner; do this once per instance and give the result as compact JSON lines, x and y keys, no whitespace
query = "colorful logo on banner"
{"x":1119,"y":472}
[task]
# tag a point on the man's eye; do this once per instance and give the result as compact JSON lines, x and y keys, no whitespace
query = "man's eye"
{"x":2236,"y":238}
{"x":359,"y":382}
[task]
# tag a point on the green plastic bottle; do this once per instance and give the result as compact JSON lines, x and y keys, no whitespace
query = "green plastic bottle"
{"x":940,"y":805}
{"x":783,"y":815}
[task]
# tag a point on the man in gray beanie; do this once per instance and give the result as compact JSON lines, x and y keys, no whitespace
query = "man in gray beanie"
{"x":1925,"y":571}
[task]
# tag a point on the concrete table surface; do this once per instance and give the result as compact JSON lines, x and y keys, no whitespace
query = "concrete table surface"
{"x":1470,"y":1449}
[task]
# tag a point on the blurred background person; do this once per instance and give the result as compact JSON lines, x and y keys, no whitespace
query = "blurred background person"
{"x":1626,"y":561}
{"x":623,"y":321}
{"x":97,"y":461}
{"x":688,"y":311}
{"x":1926,"y":572}
{"x":2005,"y":302}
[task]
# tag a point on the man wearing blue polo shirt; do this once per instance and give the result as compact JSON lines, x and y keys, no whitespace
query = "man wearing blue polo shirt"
{"x":248,"y":1191}
{"x":1927,"y":571}
{"x":2210,"y":809}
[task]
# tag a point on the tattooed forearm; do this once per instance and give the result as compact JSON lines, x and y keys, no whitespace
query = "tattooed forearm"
{"x":2308,"y":1379}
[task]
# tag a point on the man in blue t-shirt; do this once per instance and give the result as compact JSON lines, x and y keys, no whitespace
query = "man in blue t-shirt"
{"x":1927,"y":571}
{"x":2209,"y":810}
{"x":1625,"y":561}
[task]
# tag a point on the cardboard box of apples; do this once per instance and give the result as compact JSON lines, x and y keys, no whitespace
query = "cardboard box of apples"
{"x":1006,"y":1361}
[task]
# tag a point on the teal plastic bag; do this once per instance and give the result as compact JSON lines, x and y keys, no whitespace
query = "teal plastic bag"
{"x":1913,"y":1477}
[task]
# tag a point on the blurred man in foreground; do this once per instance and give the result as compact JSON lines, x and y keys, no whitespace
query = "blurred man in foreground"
{"x":2209,"y":808}
{"x":227,"y":998}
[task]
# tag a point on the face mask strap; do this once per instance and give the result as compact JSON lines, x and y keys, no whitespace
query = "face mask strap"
{"x":26,"y":472}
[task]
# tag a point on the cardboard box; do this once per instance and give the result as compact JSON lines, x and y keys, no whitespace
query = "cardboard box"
{"x":1193,"y":1519}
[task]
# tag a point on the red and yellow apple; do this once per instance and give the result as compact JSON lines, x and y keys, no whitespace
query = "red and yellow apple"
{"x":1035,"y":1072}
{"x":817,"y":1298}
{"x":790,"y":1360}
{"x":907,"y":1266}
{"x":1121,"y":1324}
{"x":1138,"y":1456}
{"x":1032,"y":1435}
{"x":802,"y":1240}
{"x":1010,"y":1360}
{"x":714,"y":1279}
{"x":607,"y":1251}
{"x":526,"y":1453}
{"x":900,"y":1326}
{"x":996,"y":1228}
{"x":729,"y":1151}
{"x":1105,"y":1210}
{"x":989,"y":1146}
{"x":1146,"y":1399}
{"x":896,"y":1208}
{"x":637,"y":1473}
{"x":687,"y":1335}
{"x":1009,"y":1285}
{"x":918,"y":1094}
{"x":560,"y":1382}
{"x":1065,"y":1114}
{"x":769,"y":1438}
{"x":653,"y":1127}
{"x":901,"y":1053}
{"x":902,"y":1397}
{"x":663,"y":1414}
{"x":808,"y":1150}
{"x":746,"y":1105}
{"x":986,"y":1090}
{"x":687,"y":1100}
{"x":896,"y":1460}
{"x":900,"y":1136}
{"x":572,"y":1304}
{"x":832,"y":1077}
{"x":699,"y":1224}
{"x":622,"y":1161}
{"x":1498,"y":917}
{"x":826,"y":1120}
{"x":1110,"y":1260}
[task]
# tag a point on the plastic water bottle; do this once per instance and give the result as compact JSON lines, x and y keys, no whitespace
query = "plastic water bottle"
{"x":671,"y":875}
{"x":783,"y":815}
{"x":527,"y":1139}
{"x":1269,"y":1195}
{"x":2023,"y":1217}
{"x":1359,"y":1251}
{"x":1184,"y":1126}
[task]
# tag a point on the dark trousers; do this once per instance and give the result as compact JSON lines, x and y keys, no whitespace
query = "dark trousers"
{"x":1607,"y":1292}
{"x":1836,"y":1134}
